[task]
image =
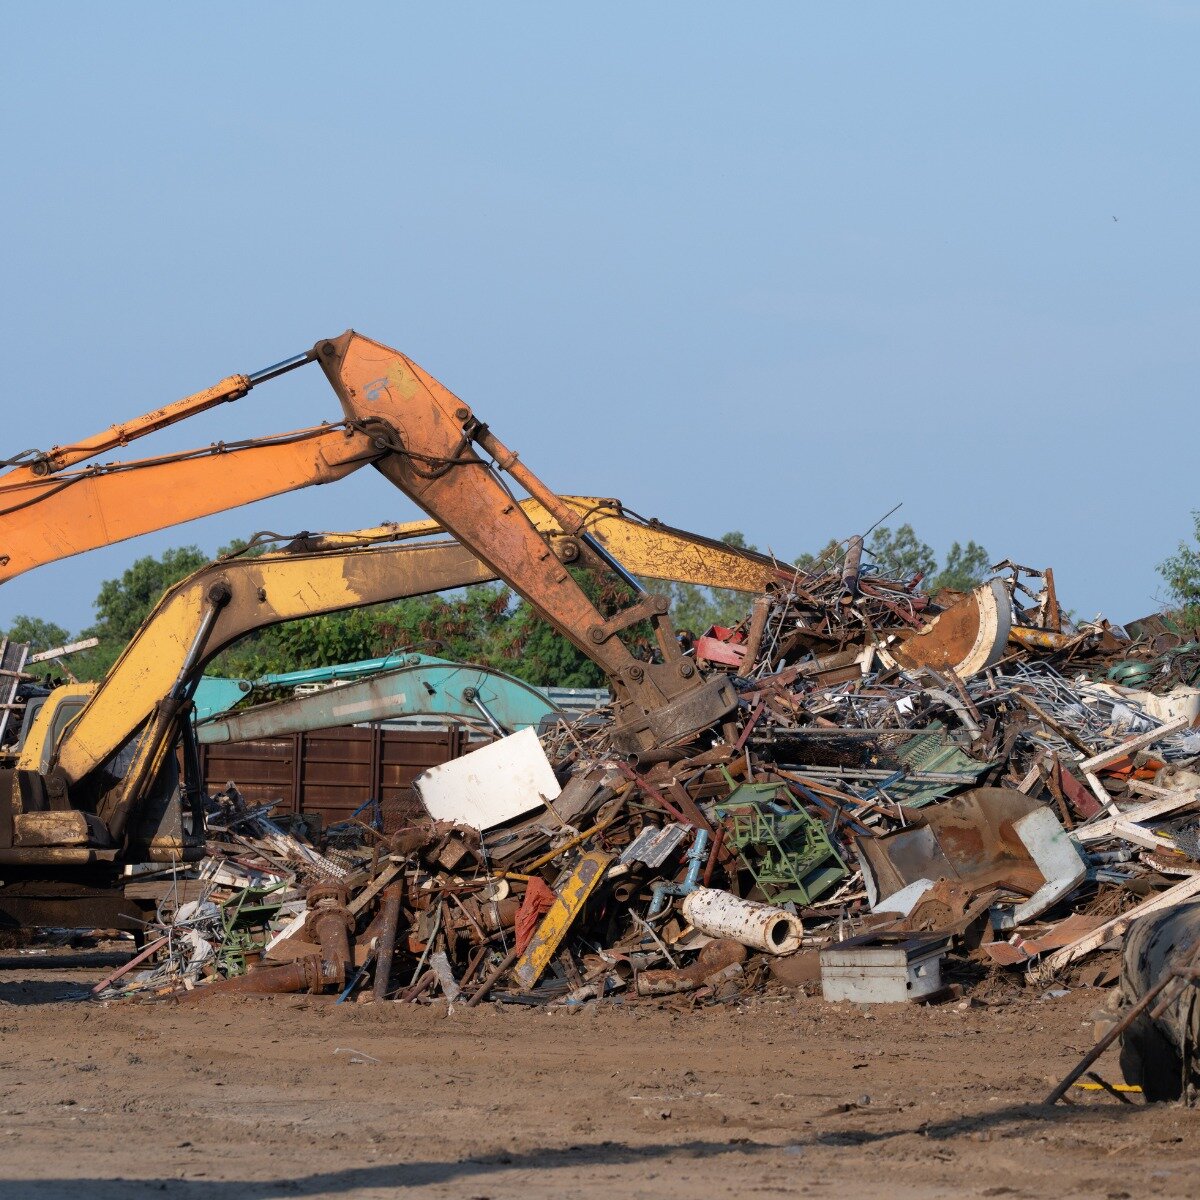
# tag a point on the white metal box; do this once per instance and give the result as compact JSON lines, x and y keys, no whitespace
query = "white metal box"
{"x":882,"y":968}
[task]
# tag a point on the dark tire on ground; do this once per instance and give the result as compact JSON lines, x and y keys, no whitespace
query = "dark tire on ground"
{"x":1149,"y":1060}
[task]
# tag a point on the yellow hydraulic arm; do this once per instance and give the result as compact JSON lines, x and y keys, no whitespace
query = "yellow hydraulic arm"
{"x":145,"y":693}
{"x":343,"y":570}
{"x":648,"y":548}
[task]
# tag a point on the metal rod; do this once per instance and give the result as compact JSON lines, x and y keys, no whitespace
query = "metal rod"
{"x":280,"y":368}
{"x":1169,"y":977}
{"x":471,"y":696}
{"x":493,"y":977}
{"x":612,"y":564}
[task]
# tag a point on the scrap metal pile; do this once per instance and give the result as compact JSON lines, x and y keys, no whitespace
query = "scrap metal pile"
{"x":911,"y":788}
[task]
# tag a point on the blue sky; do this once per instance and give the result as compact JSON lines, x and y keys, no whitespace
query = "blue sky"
{"x":775,"y":267}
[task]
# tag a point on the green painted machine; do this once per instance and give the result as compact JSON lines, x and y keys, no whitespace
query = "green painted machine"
{"x":372,"y":690}
{"x":788,"y":853}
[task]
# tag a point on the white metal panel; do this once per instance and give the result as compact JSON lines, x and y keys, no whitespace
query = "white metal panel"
{"x":490,"y":785}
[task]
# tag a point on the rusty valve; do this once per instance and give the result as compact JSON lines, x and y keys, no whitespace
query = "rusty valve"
{"x":330,"y":924}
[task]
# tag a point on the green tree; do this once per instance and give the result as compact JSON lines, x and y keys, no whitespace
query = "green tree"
{"x":966,"y":567}
{"x":901,"y":554}
{"x":1181,"y":573}
{"x":123,"y":604}
{"x":828,"y":556}
{"x":527,"y":647}
{"x":482,"y":624}
{"x":37,"y":634}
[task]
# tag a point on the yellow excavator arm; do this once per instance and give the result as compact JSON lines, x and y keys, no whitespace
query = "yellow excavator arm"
{"x":142,"y":702}
{"x":648,"y":548}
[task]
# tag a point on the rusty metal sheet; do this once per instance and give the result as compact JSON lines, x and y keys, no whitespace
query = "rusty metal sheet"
{"x":968,"y":637}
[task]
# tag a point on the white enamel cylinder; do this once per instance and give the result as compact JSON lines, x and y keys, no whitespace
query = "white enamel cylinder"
{"x":760,"y":926}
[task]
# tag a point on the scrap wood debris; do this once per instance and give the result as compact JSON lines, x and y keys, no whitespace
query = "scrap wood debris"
{"x":910,"y":785}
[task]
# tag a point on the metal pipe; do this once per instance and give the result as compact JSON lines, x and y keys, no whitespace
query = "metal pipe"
{"x":493,"y":977}
{"x":471,"y":696}
{"x":392,"y":896}
{"x":330,"y":926}
{"x":713,"y":855}
{"x":759,"y":926}
{"x":852,"y":566}
{"x":714,"y":957}
{"x":759,"y":611}
{"x":697,"y":856}
{"x":304,"y":975}
{"x":612,"y":564}
{"x":218,"y":595}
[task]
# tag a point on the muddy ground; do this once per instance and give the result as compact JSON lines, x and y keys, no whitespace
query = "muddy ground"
{"x":290,"y":1096}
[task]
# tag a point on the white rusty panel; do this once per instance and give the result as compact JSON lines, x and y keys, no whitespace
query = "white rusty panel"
{"x":491,"y":785}
{"x":1057,"y":857}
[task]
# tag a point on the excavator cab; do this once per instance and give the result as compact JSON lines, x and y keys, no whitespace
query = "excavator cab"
{"x":33,"y":817}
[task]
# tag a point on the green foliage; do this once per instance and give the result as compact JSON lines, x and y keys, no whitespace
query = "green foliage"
{"x":524,"y":645}
{"x":486,"y":623}
{"x":37,"y":634}
{"x":966,"y":567}
{"x":482,"y":624}
{"x":123,"y":604}
{"x":901,"y":554}
{"x":456,"y":627}
{"x":239,"y":546}
{"x":1181,"y":573}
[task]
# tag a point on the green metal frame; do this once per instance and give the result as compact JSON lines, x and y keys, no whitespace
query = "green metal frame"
{"x":787,"y":851}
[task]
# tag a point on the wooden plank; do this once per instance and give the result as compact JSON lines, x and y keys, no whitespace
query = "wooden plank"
{"x":1131,"y":816}
{"x":381,"y":881}
{"x":1118,"y":926}
{"x":1101,"y":794}
{"x":1133,"y":744}
{"x":1141,"y":837}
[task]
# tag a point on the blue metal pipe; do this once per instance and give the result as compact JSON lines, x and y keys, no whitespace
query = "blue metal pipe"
{"x":696,"y":858}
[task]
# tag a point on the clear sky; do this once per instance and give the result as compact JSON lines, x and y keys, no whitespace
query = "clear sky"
{"x":766,"y":267}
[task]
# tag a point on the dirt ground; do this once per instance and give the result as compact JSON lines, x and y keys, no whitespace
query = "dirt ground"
{"x":292,"y":1096}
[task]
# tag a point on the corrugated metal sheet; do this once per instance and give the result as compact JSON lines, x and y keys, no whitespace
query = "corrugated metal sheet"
{"x":333,"y":772}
